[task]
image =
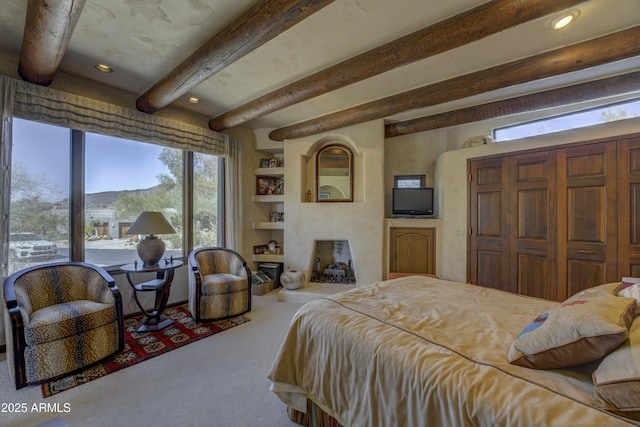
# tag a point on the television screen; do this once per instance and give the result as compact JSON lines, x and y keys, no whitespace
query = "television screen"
{"x":413,"y":201}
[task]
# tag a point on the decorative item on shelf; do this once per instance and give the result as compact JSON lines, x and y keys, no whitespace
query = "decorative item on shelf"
{"x":151,"y":248}
{"x":474,"y":141}
{"x":273,"y":163}
{"x":269,"y":185}
{"x":260,"y":249}
{"x":277,"y":216}
{"x":292,"y":279}
{"x":273,"y":248}
{"x":264,"y":163}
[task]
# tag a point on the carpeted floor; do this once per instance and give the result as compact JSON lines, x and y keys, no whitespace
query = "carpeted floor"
{"x":139,"y":347}
{"x":217,"y":381}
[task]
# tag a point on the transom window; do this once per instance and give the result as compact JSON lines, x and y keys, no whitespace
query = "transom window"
{"x":608,"y":113}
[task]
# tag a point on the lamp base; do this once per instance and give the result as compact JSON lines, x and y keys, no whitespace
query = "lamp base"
{"x":150,"y":250}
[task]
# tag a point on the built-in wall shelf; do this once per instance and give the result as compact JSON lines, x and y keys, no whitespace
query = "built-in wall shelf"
{"x":269,"y":198}
{"x":279,"y":171}
{"x":268,"y":225}
{"x":267,"y":230}
{"x":268,"y":258}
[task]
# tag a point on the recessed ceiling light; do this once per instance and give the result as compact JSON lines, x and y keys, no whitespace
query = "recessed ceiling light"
{"x":194,"y":100}
{"x":104,"y":68}
{"x":564,"y":19}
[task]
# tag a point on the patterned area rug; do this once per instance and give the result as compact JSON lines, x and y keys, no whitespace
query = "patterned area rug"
{"x":139,"y":347}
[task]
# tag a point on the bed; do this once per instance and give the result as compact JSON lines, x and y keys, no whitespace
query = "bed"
{"x":421,"y":351}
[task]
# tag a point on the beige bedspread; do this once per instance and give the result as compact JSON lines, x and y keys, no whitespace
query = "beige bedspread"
{"x":420,"y":351}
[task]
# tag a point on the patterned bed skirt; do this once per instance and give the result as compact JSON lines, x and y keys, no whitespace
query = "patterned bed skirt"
{"x":315,"y":417}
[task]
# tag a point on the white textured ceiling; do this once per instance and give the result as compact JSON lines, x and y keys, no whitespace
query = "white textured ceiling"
{"x":145,"y":39}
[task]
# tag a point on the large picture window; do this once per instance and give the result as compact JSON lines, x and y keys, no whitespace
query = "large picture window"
{"x":121,"y":178}
{"x":206,"y":206}
{"x":39,"y":220}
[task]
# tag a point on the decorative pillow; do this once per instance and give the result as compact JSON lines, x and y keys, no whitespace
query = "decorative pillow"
{"x":584,"y":328}
{"x":631,"y":289}
{"x":617,"y":379}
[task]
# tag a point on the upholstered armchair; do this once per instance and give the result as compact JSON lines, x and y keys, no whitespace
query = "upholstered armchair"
{"x":219,"y":284}
{"x":60,"y":317}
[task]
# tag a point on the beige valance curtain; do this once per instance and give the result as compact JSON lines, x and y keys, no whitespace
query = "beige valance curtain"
{"x":55,"y":107}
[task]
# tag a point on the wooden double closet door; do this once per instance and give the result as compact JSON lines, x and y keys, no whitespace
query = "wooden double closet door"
{"x":549,"y":223}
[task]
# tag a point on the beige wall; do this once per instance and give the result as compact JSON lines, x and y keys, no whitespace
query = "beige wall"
{"x":360,"y":222}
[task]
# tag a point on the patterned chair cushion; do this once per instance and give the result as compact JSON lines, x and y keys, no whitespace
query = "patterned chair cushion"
{"x":222,"y":283}
{"x":224,"y":305}
{"x":55,"y":358}
{"x":68,"y":319}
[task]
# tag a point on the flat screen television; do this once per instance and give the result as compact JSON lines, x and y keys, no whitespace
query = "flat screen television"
{"x":413,"y":201}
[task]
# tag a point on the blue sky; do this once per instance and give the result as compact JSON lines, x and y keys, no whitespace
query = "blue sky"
{"x":111,"y":163}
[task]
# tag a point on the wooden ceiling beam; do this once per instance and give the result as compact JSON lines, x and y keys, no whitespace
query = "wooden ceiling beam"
{"x":611,"y":86}
{"x":47,"y":31}
{"x":470,"y":26}
{"x":259,"y":24}
{"x":599,"y":51}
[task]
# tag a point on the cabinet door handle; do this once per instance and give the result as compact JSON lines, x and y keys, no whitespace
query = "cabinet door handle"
{"x":532,"y":247}
{"x":582,"y":251}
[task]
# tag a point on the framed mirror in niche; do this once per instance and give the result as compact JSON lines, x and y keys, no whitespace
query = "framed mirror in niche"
{"x":334,"y":174}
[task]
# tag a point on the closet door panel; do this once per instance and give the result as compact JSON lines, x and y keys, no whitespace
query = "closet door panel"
{"x":489,"y":224}
{"x":532,"y":246}
{"x":587,"y":220}
{"x":629,"y":207}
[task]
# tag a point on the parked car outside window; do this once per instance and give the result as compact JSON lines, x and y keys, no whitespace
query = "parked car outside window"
{"x":29,"y":246}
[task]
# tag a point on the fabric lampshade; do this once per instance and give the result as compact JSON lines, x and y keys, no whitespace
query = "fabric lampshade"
{"x":151,"y":248}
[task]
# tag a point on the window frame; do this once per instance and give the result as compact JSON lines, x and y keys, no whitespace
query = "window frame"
{"x":552,"y":117}
{"x":77,"y":151}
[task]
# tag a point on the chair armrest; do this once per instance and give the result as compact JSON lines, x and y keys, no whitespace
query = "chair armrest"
{"x":97,"y":289}
{"x":108,"y":297}
{"x":12,"y":299}
{"x":16,"y":334}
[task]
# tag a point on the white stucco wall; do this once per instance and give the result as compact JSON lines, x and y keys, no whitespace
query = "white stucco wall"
{"x":360,"y":222}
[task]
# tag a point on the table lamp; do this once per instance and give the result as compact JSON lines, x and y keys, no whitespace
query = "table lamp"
{"x":151,"y":248}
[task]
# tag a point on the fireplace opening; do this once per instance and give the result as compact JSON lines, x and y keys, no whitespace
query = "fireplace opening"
{"x":332,"y":262}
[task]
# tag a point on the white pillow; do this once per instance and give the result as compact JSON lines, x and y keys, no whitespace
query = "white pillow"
{"x":631,"y":289}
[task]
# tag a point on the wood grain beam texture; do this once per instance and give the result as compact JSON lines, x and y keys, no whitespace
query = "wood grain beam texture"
{"x":611,"y":86}
{"x":259,"y":24}
{"x":599,"y":51}
{"x":470,"y":26}
{"x":47,"y":31}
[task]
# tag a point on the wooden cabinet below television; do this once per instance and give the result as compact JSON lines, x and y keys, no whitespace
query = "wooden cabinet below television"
{"x":551,"y":222}
{"x":412,"y":250}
